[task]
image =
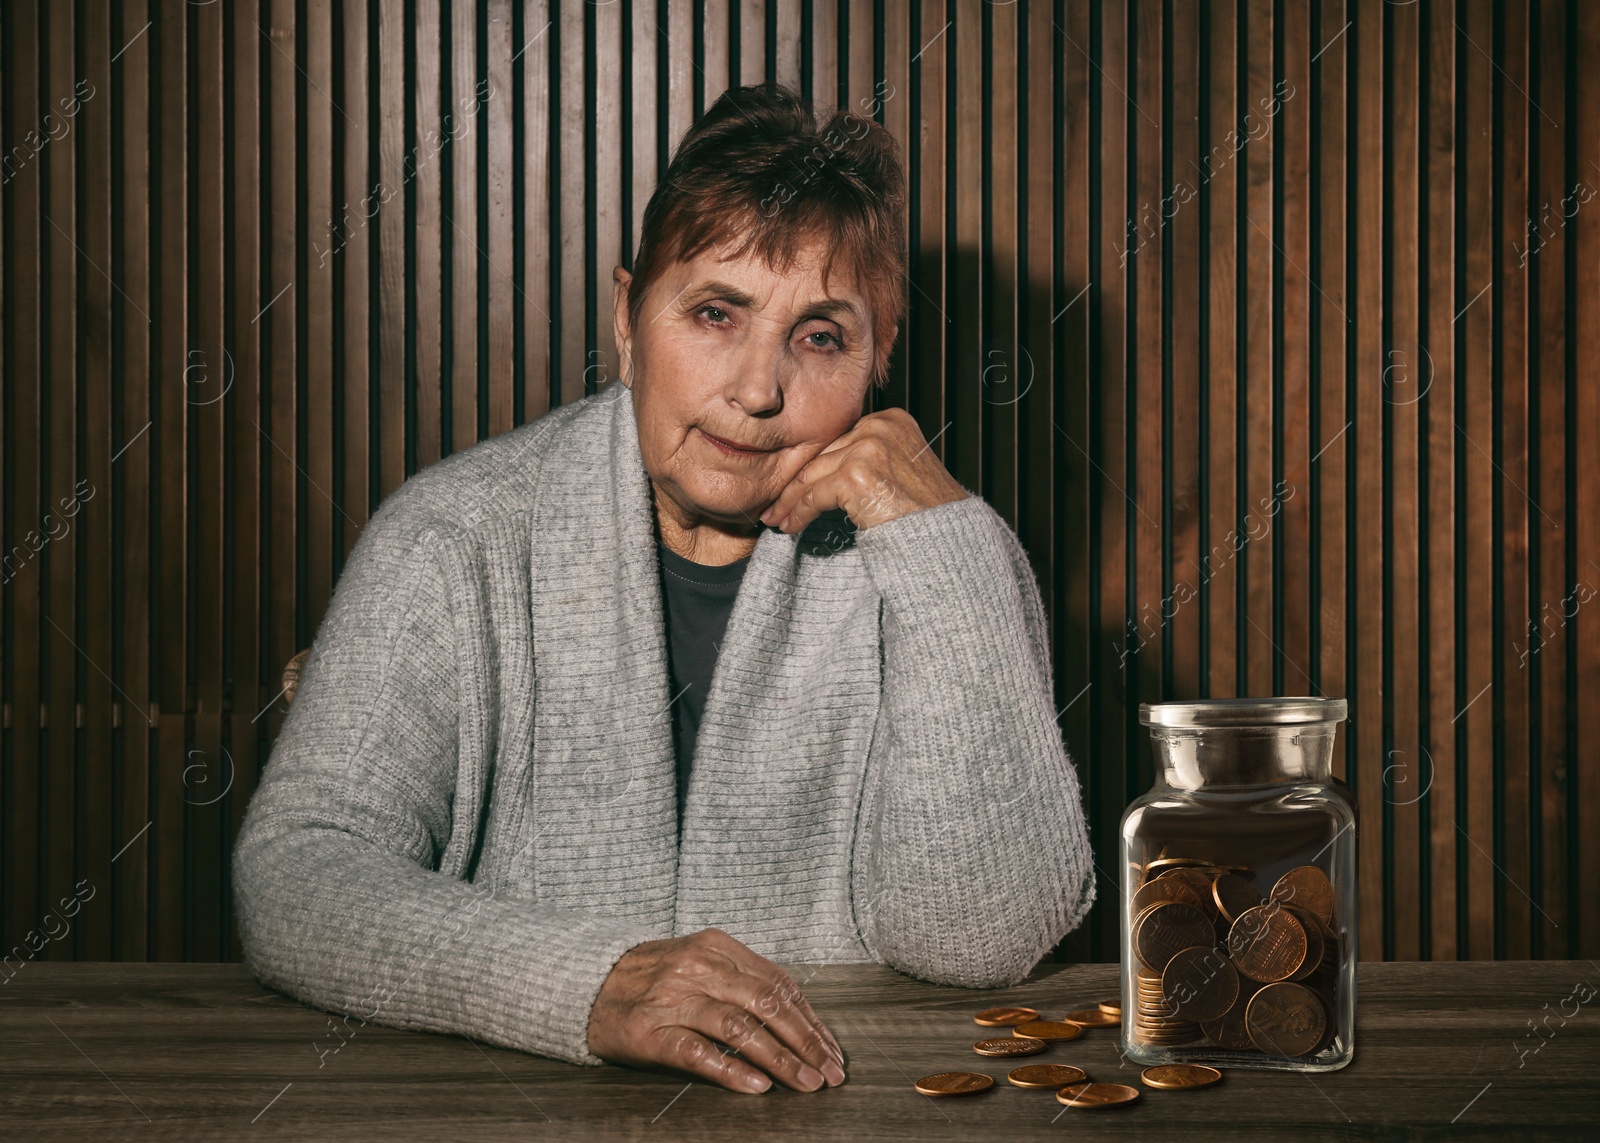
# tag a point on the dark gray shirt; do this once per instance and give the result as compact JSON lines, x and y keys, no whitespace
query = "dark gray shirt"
{"x":699,"y":598}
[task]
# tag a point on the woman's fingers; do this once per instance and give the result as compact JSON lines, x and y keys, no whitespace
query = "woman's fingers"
{"x":752,"y":1039}
{"x":776,"y":999}
{"x":689,"y":1051}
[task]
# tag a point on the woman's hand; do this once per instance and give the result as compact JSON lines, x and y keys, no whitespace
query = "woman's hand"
{"x":880,"y":470}
{"x":666,"y":1001}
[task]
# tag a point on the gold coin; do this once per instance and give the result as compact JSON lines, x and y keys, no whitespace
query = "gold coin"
{"x":1308,"y":887}
{"x":1173,"y":1076}
{"x":1266,"y":943}
{"x":1092,"y":1018}
{"x":1285,"y":1019}
{"x":1047,"y":1075}
{"x":1089,"y":1095}
{"x":1167,"y":928}
{"x":1048,"y":1030}
{"x":955,"y":1083}
{"x":1111,"y":1007}
{"x":1004,"y":1017}
{"x":1162,"y":864}
{"x":1201,"y":982}
{"x":1232,"y":895}
{"x":1196,"y":879}
{"x":1014,"y":1046}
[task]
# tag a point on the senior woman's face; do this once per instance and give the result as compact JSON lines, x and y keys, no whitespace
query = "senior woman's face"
{"x":735,"y":354}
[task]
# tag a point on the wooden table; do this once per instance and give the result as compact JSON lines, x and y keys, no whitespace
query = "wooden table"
{"x":201,"y":1051}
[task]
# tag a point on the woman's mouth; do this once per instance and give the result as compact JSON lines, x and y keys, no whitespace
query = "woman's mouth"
{"x":733,"y":448}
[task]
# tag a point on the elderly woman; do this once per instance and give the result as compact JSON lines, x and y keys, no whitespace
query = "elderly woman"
{"x":605,"y":717}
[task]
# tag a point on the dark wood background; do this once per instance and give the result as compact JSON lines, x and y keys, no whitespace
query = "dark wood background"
{"x":1271,"y":327}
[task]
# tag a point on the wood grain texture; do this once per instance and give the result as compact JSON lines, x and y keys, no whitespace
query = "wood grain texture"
{"x":207,"y":1053}
{"x":1231,"y":248}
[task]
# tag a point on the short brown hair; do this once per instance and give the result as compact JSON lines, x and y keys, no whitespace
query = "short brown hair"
{"x":758,"y":163}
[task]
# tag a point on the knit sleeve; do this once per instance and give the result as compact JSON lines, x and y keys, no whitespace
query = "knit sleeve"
{"x":338,"y":892}
{"x":972,"y":858}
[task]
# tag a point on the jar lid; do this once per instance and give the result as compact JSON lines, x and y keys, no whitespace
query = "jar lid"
{"x":1286,"y":711}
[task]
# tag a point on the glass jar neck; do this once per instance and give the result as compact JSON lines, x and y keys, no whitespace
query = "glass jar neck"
{"x":1194,"y":758}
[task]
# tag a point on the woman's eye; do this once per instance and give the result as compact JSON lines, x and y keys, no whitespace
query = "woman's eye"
{"x":827,"y":338}
{"x":717,"y":314}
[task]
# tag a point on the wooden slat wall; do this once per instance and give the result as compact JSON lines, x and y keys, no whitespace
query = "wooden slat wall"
{"x":1267,"y":322}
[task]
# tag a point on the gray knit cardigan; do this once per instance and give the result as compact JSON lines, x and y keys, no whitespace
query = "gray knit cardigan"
{"x":470,"y":812}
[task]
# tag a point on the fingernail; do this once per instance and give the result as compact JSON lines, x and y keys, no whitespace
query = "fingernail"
{"x":809,"y":1077}
{"x":834,"y":1073}
{"x":757,"y":1083}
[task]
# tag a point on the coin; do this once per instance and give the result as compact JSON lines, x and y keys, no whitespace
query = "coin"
{"x":1201,"y":983}
{"x":1160,"y":891}
{"x":1004,"y":1017}
{"x":1111,"y":1007}
{"x":1013,"y":1046}
{"x":1314,"y":942}
{"x":1048,"y":1030}
{"x":1232,"y":895}
{"x":1047,"y":1075}
{"x":1196,"y":879}
{"x":1167,"y":928}
{"x":1266,"y":943}
{"x":955,"y":1083}
{"x":1285,"y":1019}
{"x":1229,"y":1031}
{"x":1308,"y":887}
{"x":1175,"y":1076}
{"x":1092,"y":1018}
{"x":1091,"y":1095}
{"x":1161,"y":864}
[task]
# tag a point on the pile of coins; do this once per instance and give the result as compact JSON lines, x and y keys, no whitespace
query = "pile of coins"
{"x":1218,"y":964}
{"x":1031,"y":1035}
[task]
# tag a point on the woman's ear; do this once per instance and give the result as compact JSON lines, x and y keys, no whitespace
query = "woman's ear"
{"x":621,"y":280}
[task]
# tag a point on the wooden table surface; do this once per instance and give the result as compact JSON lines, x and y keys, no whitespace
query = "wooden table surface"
{"x":201,"y":1051}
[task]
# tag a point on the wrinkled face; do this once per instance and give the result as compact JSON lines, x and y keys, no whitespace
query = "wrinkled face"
{"x":732,"y":354}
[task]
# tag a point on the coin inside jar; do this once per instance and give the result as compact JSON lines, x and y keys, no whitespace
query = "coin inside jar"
{"x":1175,"y":1076}
{"x":1160,"y":891}
{"x":1266,"y":943}
{"x":1010,"y":1046}
{"x":954,"y":1083}
{"x":1285,"y":1019}
{"x":1004,"y":1017}
{"x":1314,"y":942}
{"x":1201,"y":983}
{"x":1055,"y":1076}
{"x":1165,"y":929}
{"x":1092,"y":1095}
{"x":1308,"y":887}
{"x":1195,"y":878}
{"x":1232,"y":895}
{"x":1048,"y":1030}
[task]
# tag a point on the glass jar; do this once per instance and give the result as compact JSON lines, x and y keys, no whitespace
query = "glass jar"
{"x":1239,"y":890}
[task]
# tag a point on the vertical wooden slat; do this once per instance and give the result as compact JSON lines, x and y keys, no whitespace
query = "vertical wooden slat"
{"x":63,"y":639}
{"x":1289,"y":109}
{"x":254,"y":689}
{"x":570,"y":251}
{"x":536,"y":196}
{"x":1001,"y":346}
{"x":899,"y":31}
{"x":171,"y":209}
{"x":1430,"y":778}
{"x":1364,"y":633}
{"x":682,"y":82}
{"x":1475,"y":425}
{"x":133,"y":470}
{"x":1219,"y":172}
{"x":601,"y":362}
{"x":1403,"y":378}
{"x":824,"y":36}
{"x":427,"y":230}
{"x":722,"y":69}
{"x":205,"y":771}
{"x":461,"y":125}
{"x":1261,"y":264}
{"x":494,"y":115}
{"x":1180,"y":194}
{"x":23,"y":572}
{"x":394,"y":180}
{"x":365,"y":192}
{"x":959,"y":405}
{"x":786,"y":24}
{"x":1582,"y":773}
{"x":94,"y":522}
{"x":1146,"y":383}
